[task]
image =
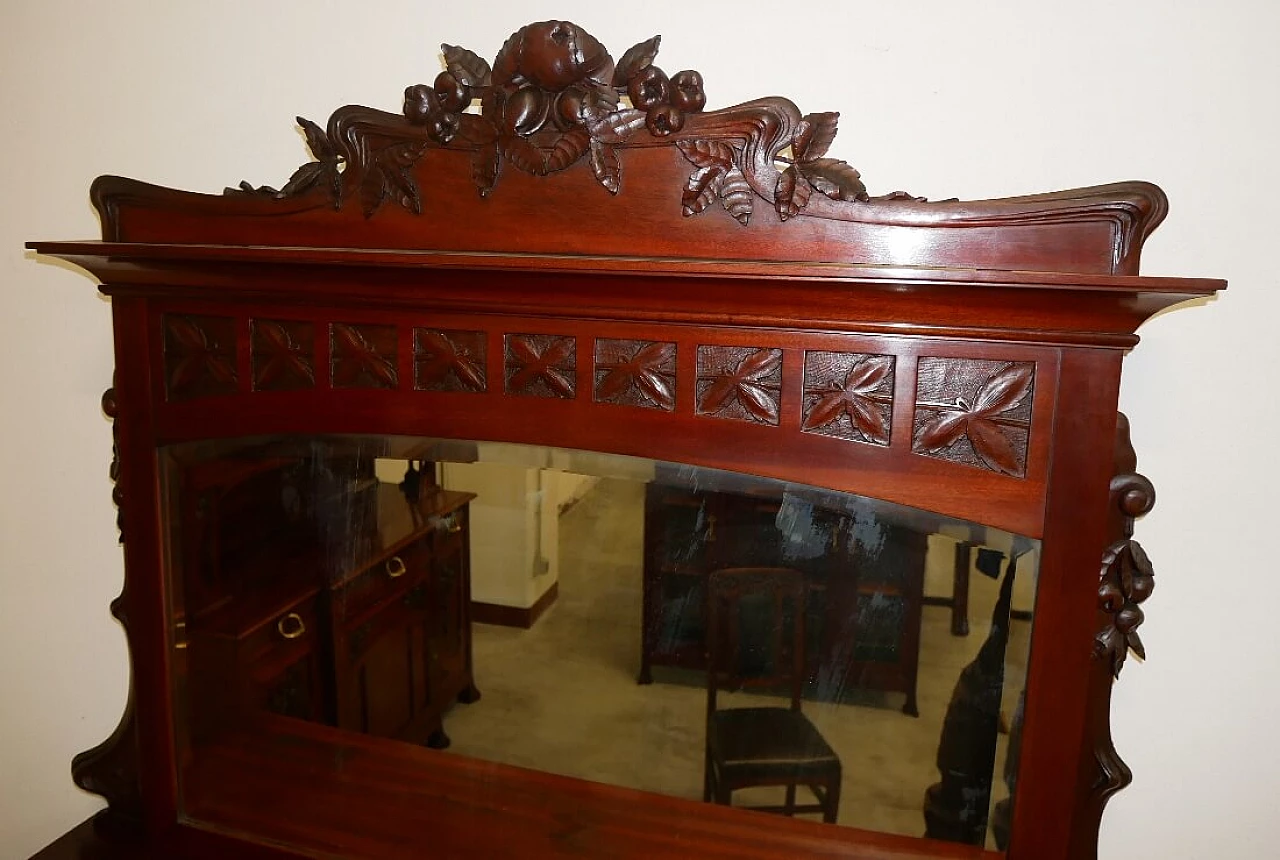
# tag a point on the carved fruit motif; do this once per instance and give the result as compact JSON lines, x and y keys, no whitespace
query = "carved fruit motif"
{"x":552,"y":98}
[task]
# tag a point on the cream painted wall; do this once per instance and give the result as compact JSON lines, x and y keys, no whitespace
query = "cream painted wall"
{"x":964,"y":99}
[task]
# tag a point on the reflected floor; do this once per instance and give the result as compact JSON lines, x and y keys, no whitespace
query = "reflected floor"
{"x":562,"y":696}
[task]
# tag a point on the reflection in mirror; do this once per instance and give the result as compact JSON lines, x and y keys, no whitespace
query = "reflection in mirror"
{"x":662,"y":627}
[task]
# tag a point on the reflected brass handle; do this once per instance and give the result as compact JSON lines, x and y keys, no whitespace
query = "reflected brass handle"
{"x":291,"y":626}
{"x":711,"y":527}
{"x":454,"y":526}
{"x":395,"y":567}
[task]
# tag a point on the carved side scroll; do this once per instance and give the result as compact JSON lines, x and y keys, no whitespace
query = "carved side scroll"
{"x":1127,"y":579}
{"x":111,"y":768}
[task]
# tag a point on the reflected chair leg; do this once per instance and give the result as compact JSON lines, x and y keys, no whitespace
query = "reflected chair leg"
{"x":791,"y":800}
{"x":707,"y":787}
{"x":960,"y":590}
{"x":831,"y":801}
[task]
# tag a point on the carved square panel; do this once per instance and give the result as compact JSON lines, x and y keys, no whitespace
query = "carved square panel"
{"x":542,"y":365}
{"x":199,"y":356}
{"x":739,"y":383}
{"x":449,"y":360}
{"x":849,"y":395}
{"x":284,"y":355}
{"x":363,"y":356}
{"x":975,"y":412}
{"x":636,"y":373}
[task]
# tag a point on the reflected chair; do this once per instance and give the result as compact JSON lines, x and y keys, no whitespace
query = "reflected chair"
{"x":755,"y":640}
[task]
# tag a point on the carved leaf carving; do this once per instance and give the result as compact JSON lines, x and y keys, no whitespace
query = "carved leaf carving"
{"x":606,"y":166}
{"x":700,"y":190}
{"x":373,"y":191}
{"x":792,"y":193}
{"x":737,"y":195}
{"x":323,"y":171}
{"x":618,"y":126}
{"x":814,"y":135}
{"x":707,"y":153}
{"x":541,"y":365}
{"x":317,"y":140}
{"x":856,"y":385}
{"x":758,"y":402}
{"x":999,"y":396}
{"x":992,"y":446}
{"x":834,"y":178}
{"x":636,"y":373}
{"x":282,"y":355}
{"x":524,"y":155}
{"x":568,"y":148}
{"x":449,"y":360}
{"x":199,"y":356}
{"x":750,"y":384}
{"x":636,"y":59}
{"x":484,"y":167}
{"x":363,"y":356}
{"x":1005,"y":390}
{"x":470,"y":69}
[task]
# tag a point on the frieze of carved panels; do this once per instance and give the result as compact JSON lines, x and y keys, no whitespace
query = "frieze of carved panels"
{"x":363,"y":356}
{"x":199,"y":356}
{"x":974,"y":412}
{"x":449,"y":360}
{"x":636,"y":373}
{"x":849,"y":395}
{"x":740,"y":383}
{"x":283,"y":355}
{"x":542,"y":365}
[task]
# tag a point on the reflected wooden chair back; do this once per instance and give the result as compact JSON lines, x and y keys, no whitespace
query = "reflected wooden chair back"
{"x":755,"y":631}
{"x":755,"y":640}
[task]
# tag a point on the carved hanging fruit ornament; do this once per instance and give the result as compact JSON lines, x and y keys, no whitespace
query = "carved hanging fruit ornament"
{"x":555,"y":96}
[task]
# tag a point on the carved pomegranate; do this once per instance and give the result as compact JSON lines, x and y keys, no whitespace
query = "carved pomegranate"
{"x":554,"y":55}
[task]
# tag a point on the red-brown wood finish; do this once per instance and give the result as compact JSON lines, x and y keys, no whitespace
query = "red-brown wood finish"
{"x":643,"y":277}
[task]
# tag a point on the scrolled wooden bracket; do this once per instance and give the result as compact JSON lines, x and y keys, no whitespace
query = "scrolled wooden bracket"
{"x":1126,"y":580}
{"x":111,"y":768}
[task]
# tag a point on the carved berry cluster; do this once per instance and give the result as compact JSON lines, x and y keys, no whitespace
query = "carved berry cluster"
{"x":665,"y":101}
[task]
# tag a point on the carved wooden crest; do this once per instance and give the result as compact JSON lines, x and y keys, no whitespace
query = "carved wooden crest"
{"x":555,"y":96}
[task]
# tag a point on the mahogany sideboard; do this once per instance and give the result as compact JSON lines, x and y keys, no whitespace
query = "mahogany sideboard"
{"x":566,"y":248}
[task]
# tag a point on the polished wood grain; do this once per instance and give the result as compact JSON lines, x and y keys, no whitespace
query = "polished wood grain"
{"x":452,"y":270}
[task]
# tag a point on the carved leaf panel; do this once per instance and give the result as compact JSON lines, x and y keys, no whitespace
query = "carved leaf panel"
{"x":542,"y":365}
{"x":449,"y":360}
{"x":363,"y":356}
{"x":199,"y":356}
{"x":974,"y":412}
{"x":849,"y":396}
{"x":636,"y":373}
{"x":739,"y":383}
{"x":283,"y":355}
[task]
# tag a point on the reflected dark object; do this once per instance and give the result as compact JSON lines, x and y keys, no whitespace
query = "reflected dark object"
{"x":956,"y":808}
{"x":864,"y":577}
{"x":763,"y":746}
{"x":311,"y":590}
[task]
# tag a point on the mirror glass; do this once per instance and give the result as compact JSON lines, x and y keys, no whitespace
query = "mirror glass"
{"x":656,"y":626}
